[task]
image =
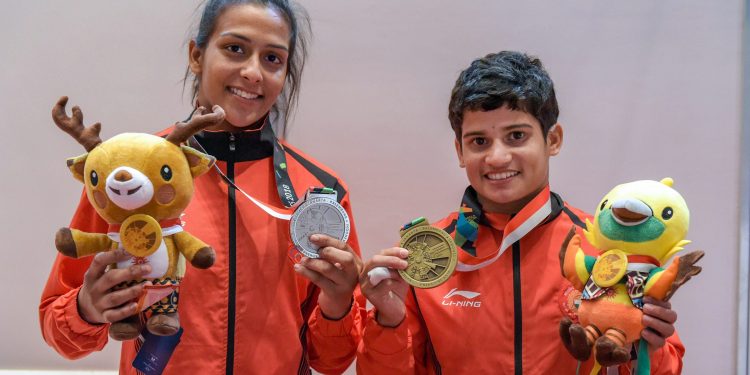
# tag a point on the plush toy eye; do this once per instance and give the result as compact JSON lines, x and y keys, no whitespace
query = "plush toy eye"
{"x":667,"y":213}
{"x":166,"y":172}
{"x":603,"y":204}
{"x":94,"y":178}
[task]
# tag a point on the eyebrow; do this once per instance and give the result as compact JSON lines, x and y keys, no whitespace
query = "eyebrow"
{"x":506,"y":128}
{"x":242,"y":37}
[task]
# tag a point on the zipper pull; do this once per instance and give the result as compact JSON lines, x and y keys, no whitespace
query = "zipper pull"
{"x":231,"y":142}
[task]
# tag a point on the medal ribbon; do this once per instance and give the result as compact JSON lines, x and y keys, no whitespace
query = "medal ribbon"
{"x":321,"y":190}
{"x":283,"y":183}
{"x":283,"y":215}
{"x":412,"y":223}
{"x":470,"y":216}
{"x":638,"y":269}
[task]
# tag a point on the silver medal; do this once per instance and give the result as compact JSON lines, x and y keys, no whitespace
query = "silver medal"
{"x":318,"y":214}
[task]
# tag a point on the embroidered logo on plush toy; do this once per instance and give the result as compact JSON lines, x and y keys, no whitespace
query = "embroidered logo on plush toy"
{"x":140,"y":184}
{"x":569,"y":299}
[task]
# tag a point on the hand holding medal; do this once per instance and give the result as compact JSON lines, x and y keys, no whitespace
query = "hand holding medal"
{"x":432,"y":256}
{"x":427,"y":258}
{"x":319,"y":229}
{"x":320,"y":213}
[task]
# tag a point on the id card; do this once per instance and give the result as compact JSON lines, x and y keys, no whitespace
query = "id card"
{"x":154,"y":355}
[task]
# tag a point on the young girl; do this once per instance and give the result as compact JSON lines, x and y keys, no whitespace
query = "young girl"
{"x":260,"y":308}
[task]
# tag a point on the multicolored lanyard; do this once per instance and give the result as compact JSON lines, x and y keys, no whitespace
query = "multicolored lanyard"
{"x":470,"y":217}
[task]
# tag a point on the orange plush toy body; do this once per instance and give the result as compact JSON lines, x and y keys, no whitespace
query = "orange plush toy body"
{"x":637,"y":227}
{"x":140,"y":184}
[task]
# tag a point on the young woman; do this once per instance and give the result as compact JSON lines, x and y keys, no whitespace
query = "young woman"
{"x":261,"y":308}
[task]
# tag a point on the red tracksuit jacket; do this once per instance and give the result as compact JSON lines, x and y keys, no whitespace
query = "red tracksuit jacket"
{"x":244,"y":314}
{"x":500,"y":319}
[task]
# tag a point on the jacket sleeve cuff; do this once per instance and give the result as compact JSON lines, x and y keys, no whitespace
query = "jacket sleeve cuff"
{"x":72,"y":317}
{"x":385,"y":340}
{"x":667,"y":360}
{"x":333,"y":328}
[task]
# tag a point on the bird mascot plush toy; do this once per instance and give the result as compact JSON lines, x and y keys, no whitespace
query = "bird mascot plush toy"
{"x":637,"y":227}
{"x":140,"y":184}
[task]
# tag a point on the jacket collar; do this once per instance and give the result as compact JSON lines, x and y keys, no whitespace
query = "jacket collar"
{"x":248,"y":145}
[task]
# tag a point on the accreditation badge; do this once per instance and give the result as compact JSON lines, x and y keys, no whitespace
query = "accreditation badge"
{"x":432,"y":254}
{"x":319,"y":213}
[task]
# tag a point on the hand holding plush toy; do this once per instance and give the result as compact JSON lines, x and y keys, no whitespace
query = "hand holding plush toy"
{"x":637,"y":228}
{"x":140,"y":184}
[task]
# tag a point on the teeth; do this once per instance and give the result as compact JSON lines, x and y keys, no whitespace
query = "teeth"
{"x":502,"y":175}
{"x":243,"y":94}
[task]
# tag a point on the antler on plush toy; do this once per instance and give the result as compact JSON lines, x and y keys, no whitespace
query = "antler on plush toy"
{"x":140,"y":184}
{"x":87,"y":137}
{"x":183,"y":131}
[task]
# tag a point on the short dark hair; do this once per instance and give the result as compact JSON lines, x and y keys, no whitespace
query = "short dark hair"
{"x":298,"y":21}
{"x":504,"y":78}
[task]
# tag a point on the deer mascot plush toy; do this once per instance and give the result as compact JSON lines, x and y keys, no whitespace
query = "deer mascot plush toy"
{"x":140,"y":184}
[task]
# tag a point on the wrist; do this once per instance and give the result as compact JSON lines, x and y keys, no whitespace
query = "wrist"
{"x":82,"y":311}
{"x":335,"y":310}
{"x":384,"y":320}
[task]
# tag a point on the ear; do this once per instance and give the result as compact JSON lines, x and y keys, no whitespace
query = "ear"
{"x":459,"y":153}
{"x":76,"y":166}
{"x":195,"y":58}
{"x":555,"y":139}
{"x":199,"y":162}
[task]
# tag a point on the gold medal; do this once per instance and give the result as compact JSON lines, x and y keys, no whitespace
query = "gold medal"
{"x":432,"y":255}
{"x":140,"y":235}
{"x":609,"y":268}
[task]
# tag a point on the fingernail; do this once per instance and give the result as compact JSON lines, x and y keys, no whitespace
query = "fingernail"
{"x":314,"y":237}
{"x":404,"y":253}
{"x":145,"y":268}
{"x":297,"y":267}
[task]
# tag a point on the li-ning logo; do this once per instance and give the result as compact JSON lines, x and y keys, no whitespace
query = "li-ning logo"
{"x":466,"y":301}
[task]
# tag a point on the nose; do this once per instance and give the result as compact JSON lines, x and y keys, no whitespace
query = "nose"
{"x":498,"y":155}
{"x":123,"y":176}
{"x":251,"y":70}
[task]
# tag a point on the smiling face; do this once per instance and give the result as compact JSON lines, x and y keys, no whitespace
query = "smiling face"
{"x":243,"y":66}
{"x":506,"y":157}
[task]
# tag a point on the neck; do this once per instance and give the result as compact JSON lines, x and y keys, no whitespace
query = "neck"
{"x":226,"y":126}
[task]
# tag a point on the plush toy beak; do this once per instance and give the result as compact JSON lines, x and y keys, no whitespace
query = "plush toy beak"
{"x":630,"y":211}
